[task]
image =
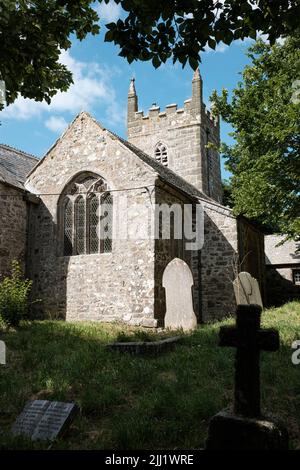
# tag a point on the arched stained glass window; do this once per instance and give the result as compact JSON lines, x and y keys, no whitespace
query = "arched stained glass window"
{"x":161,"y":154}
{"x":68,"y":227}
{"x":80,"y":226}
{"x":87,"y":227}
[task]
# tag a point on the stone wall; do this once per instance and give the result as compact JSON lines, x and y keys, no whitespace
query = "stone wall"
{"x":185,"y":132}
{"x":13,"y":227}
{"x":100,"y":287}
{"x":168,"y":249}
{"x":126,"y":284}
{"x":218,"y":261}
{"x":280,"y":286}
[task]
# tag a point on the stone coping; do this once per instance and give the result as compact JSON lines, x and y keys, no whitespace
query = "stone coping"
{"x":145,"y":347}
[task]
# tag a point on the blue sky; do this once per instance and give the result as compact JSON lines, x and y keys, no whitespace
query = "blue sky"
{"x":101,"y":81}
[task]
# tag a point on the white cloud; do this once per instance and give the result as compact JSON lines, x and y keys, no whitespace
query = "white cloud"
{"x":109,"y":12}
{"x":221,"y":47}
{"x":92,"y":88}
{"x":56,"y":124}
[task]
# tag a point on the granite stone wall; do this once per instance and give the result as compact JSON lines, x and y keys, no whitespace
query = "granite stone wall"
{"x":126,"y":284}
{"x":185,"y":132}
{"x":168,"y":249}
{"x":280,"y":285}
{"x":218,"y":263}
{"x":100,"y":287}
{"x":13,"y":227}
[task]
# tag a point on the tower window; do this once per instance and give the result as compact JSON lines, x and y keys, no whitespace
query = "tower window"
{"x":161,"y":154}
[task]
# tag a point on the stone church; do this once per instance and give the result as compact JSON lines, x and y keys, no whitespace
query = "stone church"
{"x":51,"y":210}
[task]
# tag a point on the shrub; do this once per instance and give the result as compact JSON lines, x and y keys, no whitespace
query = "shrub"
{"x":14,"y":294}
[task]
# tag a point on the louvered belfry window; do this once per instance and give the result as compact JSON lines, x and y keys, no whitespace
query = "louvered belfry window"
{"x":161,"y":154}
{"x":87,"y":216}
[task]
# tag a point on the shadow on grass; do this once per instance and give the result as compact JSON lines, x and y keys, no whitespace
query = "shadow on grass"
{"x":137,"y":402}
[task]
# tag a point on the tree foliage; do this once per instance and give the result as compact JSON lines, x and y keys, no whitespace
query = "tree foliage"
{"x":265,"y":113}
{"x":157,"y":30}
{"x":33,"y":33}
{"x":14,"y":296}
{"x":227,"y":193}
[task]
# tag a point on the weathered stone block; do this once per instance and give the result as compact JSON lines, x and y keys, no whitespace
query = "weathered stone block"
{"x":228,"y":431}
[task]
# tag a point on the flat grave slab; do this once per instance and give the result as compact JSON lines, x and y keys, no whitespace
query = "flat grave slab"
{"x":44,"y":420}
{"x":152,"y":348}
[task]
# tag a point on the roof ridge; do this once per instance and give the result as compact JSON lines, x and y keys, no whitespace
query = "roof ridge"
{"x":26,"y":154}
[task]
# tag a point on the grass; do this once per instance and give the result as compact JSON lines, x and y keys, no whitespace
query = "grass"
{"x":138,"y":402}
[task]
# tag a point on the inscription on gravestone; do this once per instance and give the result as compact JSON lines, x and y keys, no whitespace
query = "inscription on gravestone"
{"x":44,"y":420}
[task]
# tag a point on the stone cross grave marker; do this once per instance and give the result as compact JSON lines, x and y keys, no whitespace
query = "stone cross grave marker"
{"x":246,"y":290}
{"x":249,"y":340}
{"x":44,"y":420}
{"x":178,"y":282}
{"x":245,"y":428}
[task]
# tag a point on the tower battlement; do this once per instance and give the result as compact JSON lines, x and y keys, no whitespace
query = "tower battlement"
{"x":155,"y":112}
{"x":183,"y":133}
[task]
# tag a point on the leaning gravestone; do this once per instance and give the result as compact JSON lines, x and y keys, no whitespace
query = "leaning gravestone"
{"x":244,"y":427}
{"x":44,"y":420}
{"x":246,"y":290}
{"x":178,"y":282}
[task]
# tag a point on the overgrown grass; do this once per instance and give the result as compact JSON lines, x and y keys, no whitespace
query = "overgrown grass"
{"x":139,"y":402}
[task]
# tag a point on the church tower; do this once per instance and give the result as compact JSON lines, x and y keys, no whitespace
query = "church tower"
{"x":178,"y":138}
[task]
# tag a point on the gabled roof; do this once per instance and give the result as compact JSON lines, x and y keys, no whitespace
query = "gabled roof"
{"x":164,"y":173}
{"x":14,"y":166}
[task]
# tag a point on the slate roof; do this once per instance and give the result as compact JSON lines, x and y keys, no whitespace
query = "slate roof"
{"x":165,"y":173}
{"x":288,"y":253}
{"x":15,"y":165}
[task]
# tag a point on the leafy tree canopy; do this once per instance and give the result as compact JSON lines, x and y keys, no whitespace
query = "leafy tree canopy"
{"x":33,"y":32}
{"x":227,"y":193}
{"x":159,"y":29}
{"x":265,"y":113}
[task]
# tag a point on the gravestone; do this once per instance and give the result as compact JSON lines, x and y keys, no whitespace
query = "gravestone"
{"x":44,"y":420}
{"x":178,"y":281}
{"x":246,"y":290}
{"x":245,"y":427}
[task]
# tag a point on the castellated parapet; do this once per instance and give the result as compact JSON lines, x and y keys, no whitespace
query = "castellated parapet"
{"x":185,"y":132}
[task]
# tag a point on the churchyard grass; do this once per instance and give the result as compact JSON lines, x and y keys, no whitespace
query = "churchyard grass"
{"x":131,"y":402}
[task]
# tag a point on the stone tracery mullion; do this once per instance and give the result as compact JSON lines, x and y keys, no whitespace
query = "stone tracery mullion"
{"x":87,"y":190}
